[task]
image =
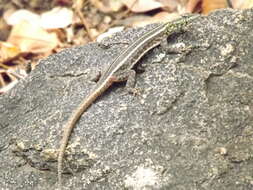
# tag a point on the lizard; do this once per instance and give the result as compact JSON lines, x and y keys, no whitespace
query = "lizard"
{"x":121,"y":69}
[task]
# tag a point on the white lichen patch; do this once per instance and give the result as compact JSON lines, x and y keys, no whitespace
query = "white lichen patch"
{"x":49,"y":154}
{"x":227,"y":50}
{"x":143,"y":178}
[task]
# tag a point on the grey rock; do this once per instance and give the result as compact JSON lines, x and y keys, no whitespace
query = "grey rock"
{"x":190,"y":127}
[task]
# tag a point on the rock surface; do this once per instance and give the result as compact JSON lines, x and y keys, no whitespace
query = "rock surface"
{"x":191,"y":126}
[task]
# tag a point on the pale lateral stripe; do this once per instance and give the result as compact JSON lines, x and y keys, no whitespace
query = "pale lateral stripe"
{"x":126,"y":55}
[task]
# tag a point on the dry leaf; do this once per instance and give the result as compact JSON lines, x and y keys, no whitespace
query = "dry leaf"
{"x":160,"y":17}
{"x":242,"y":4}
{"x":116,"y":5}
{"x":210,"y":5}
{"x":21,"y":15}
{"x":8,"y":51}
{"x":107,"y":6}
{"x":109,"y":33}
{"x":164,"y":16}
{"x":32,"y":38}
{"x":174,"y":5}
{"x":142,"y":5}
{"x":192,"y":5}
{"x":58,"y":17}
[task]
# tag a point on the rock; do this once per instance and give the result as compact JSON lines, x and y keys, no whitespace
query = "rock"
{"x":190,"y":127}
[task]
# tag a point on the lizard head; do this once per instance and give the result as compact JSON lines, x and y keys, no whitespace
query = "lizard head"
{"x":179,"y":23}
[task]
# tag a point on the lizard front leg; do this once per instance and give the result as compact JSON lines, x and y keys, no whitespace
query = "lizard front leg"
{"x":129,"y":77}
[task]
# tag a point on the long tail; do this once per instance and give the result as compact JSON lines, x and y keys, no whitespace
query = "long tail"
{"x":71,"y":124}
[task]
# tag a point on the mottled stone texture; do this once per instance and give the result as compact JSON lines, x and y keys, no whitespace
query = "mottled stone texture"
{"x":190,"y":126}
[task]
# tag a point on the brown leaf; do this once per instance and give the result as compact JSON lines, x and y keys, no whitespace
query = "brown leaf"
{"x":8,"y":51}
{"x":210,"y":5}
{"x":192,"y":5}
{"x":32,"y":38}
